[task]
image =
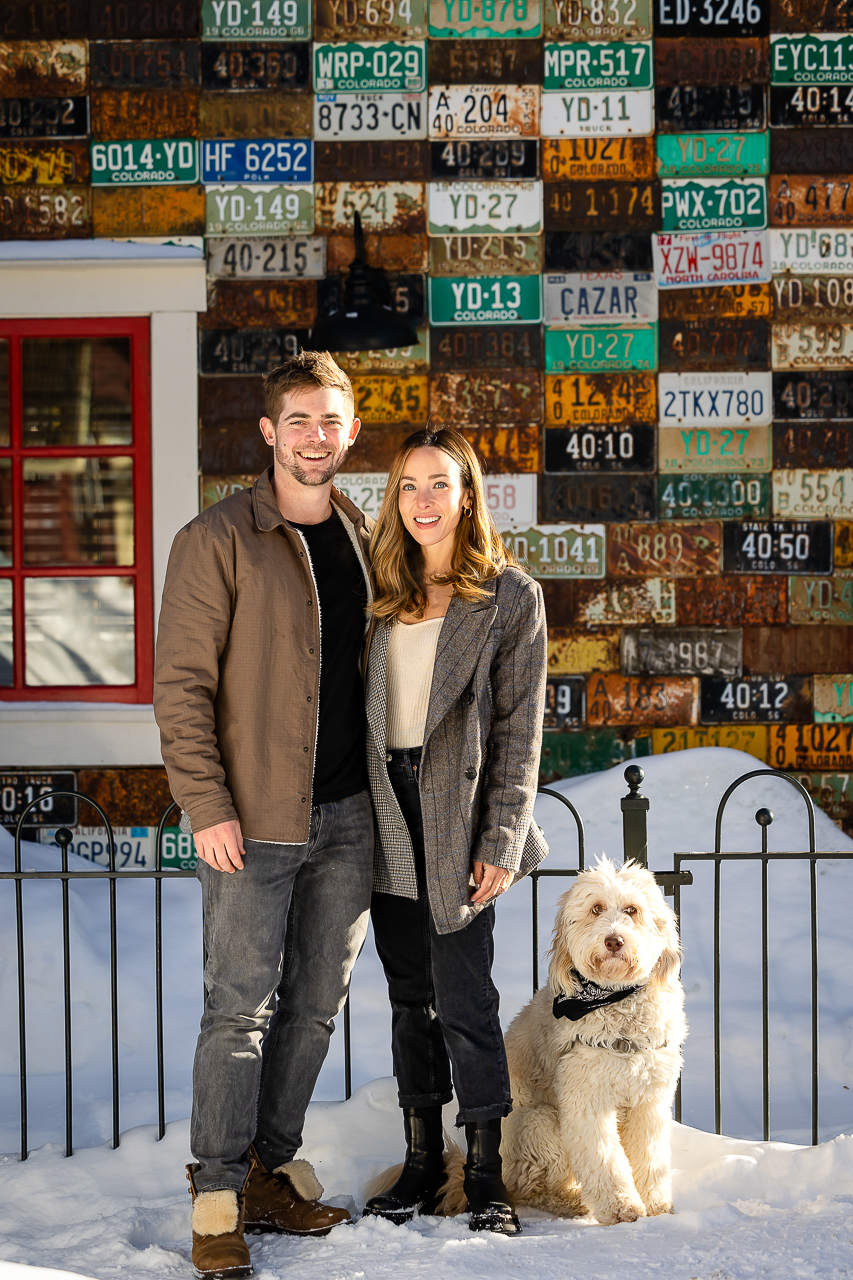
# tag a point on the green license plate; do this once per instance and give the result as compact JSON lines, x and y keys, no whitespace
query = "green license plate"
{"x":160,"y":161}
{"x":581,"y":64}
{"x":560,"y":550}
{"x":810,"y":59}
{"x":259,"y":211}
{"x":370,"y":66}
{"x":703,"y":497}
{"x":485,"y":19}
{"x":712,"y":204}
{"x":577,"y":751}
{"x":704,"y":155}
{"x":601,"y":349}
{"x":485,"y":300}
{"x":256,"y":19}
{"x":714,"y":449}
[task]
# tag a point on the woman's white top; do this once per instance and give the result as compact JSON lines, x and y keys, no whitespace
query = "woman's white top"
{"x":408,"y":666}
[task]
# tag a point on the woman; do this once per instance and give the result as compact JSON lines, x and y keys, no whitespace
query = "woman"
{"x":455,"y":695}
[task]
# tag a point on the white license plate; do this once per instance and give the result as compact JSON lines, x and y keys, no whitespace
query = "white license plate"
{"x":712,"y":257}
{"x":505,"y":208}
{"x":281,"y":257}
{"x":366,"y":491}
{"x":821,"y":345}
{"x":600,"y":297}
{"x":715,"y":399}
{"x":821,"y":250}
{"x":511,"y":500}
{"x":822,"y":495}
{"x":572,"y":113}
{"x":364,"y":116}
{"x":484,"y":111}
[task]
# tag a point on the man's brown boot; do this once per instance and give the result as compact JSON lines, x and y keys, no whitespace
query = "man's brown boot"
{"x":219,"y":1250}
{"x":288,"y":1200}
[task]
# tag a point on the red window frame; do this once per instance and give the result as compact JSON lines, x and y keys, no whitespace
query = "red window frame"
{"x":137,"y":329}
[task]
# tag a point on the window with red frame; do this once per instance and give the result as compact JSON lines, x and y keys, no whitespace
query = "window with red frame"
{"x":75,"y":511}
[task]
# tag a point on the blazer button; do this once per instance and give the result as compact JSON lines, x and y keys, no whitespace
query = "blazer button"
{"x":470,"y":698}
{"x":470,"y":774}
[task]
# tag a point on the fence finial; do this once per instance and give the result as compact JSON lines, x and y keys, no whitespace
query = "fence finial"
{"x":635,"y":839}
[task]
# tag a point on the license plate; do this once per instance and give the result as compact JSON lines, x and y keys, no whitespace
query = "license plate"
{"x":388,"y":398}
{"x":812,"y":346}
{"x":682,"y":652}
{"x":812,"y":445}
{"x":715,"y":399}
{"x":485,"y":255}
{"x":389,"y":161}
{"x":713,"y":257}
{"x":560,"y":550}
{"x":246,"y":350}
{"x":472,"y":397}
{"x":712,"y":17}
{"x":809,"y":199}
{"x":706,"y":345}
{"x":165,"y":211}
{"x":680,"y":155}
{"x":485,"y":62}
{"x":570,"y":114}
{"x":215,"y":488}
{"x":179,"y":19}
{"x":822,"y":600}
{"x":587,"y":251}
{"x":812,"y":59}
{"x":833,"y":793}
{"x":41,"y":20}
{"x":587,"y":20}
{"x":777,"y":546}
{"x":492,"y":347}
{"x":726,"y":302}
{"x":607,"y":398}
{"x":259,"y":210}
{"x":44,"y":164}
{"x":833,"y":699}
{"x":575,"y":752}
{"x":698,"y":204}
{"x":686,"y":108}
{"x":384,"y":206}
{"x":600,"y":447}
{"x":601,"y":348}
{"x":814,"y":746}
{"x":808,"y":105}
{"x":143,"y":162}
{"x":369,"y":116}
{"x":844,"y":544}
{"x":598,"y":497}
{"x":811,"y":151}
{"x":718,"y":497}
{"x":615,"y":297}
{"x":720,"y":61}
{"x":606,"y":206}
{"x":751,"y":740}
{"x":485,"y":158}
{"x":61,"y":213}
{"x":255,"y":67}
{"x":674,"y":551}
{"x":256,"y":19}
{"x":238,"y":304}
{"x":282,"y":257}
{"x":366,"y":20}
{"x":367,"y":66}
{"x":755,"y":699}
{"x":714,"y":449}
{"x":506,"y":20}
{"x":581,"y":64}
{"x":144,"y":113}
{"x":564,"y":702}
{"x":627,"y":603}
{"x":258,"y":115}
{"x":510,"y":447}
{"x":597,"y":157}
{"x":483,"y":111}
{"x":572,"y":652}
{"x":827,"y":251}
{"x":144,"y":64}
{"x":364,"y":489}
{"x":658,"y":700}
{"x":511,"y":500}
{"x":57,"y":67}
{"x":268,"y":160}
{"x":18,"y":789}
{"x":806,"y":396}
{"x":396,"y":360}
{"x":714,"y":602}
{"x":810,"y":15}
{"x":508,"y":208}
{"x":812,"y":297}
{"x":485,"y":300}
{"x":822,"y":495}
{"x":44,"y":117}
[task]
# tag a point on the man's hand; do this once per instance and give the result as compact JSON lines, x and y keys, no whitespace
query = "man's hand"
{"x":490,"y":881}
{"x":221,"y":847}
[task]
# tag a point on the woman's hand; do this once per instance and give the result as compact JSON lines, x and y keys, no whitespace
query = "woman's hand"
{"x":490,"y":881}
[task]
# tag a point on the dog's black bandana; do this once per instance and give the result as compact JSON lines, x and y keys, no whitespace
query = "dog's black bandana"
{"x":589,"y":998}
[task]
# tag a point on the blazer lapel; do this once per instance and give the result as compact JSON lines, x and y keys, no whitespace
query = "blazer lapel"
{"x":465,"y":631}
{"x":376,"y":699}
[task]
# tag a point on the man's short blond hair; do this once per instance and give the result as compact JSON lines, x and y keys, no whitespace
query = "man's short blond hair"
{"x":304,"y":372}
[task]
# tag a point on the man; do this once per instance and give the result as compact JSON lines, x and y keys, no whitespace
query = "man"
{"x":260,"y":704}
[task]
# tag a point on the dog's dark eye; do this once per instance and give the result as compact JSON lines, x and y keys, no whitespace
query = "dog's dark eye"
{"x":630,"y":911}
{"x":597,"y":909}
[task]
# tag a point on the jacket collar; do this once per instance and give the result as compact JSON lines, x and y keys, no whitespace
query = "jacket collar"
{"x":269,"y":517}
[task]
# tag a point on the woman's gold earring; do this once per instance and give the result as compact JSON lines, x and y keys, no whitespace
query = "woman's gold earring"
{"x":466,"y":511}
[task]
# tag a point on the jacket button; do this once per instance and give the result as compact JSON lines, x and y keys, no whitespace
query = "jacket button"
{"x":305,"y":749}
{"x":470,"y":698}
{"x":470,"y":774}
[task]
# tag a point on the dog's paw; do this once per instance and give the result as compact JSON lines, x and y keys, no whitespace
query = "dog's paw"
{"x":656,"y":1207}
{"x":622,"y":1211}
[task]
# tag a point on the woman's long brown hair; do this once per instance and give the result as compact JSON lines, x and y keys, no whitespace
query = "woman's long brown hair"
{"x":396,"y":558}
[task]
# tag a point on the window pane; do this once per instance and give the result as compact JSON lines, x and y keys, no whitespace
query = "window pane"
{"x":6,"y":676}
{"x":4,"y":391}
{"x":76,"y":391}
{"x":5,"y":511}
{"x":79,"y":631}
{"x":78,"y":511}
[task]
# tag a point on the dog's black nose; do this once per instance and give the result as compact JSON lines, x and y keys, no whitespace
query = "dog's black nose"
{"x":614,"y":943}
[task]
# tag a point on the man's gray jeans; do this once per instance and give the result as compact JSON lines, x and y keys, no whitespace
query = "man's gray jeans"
{"x":282,"y":936}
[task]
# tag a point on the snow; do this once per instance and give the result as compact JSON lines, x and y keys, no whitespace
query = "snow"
{"x":744,"y":1208}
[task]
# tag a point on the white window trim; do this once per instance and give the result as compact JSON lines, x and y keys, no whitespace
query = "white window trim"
{"x":165,"y":281}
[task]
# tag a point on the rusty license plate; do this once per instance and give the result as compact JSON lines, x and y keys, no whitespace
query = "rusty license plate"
{"x":485,"y":158}
{"x":383,"y":206}
{"x":812,"y":297}
{"x":714,"y":449}
{"x":485,"y":255}
{"x":486,"y":347}
{"x":725,"y":302}
{"x":818,"y":495}
{"x":151,"y":211}
{"x":833,"y":699}
{"x":509,"y":208}
{"x":651,"y":602}
{"x":466,"y":397}
{"x":44,"y":117}
{"x":714,"y":603}
{"x":686,"y":651}
{"x":579,"y":652}
{"x":238,"y":304}
{"x":690,"y":108}
{"x":752,"y":740}
{"x":812,"y":445}
{"x":145,"y":113}
{"x":597,"y":497}
{"x":844,"y":544}
{"x":144,"y":64}
{"x":453,"y":19}
{"x":656,"y":700}
{"x":814,"y":746}
{"x":44,"y":20}
{"x":598,"y":158}
{"x":256,"y":115}
{"x":600,"y":447}
{"x":704,"y":344}
{"x":564,"y":702}
{"x":755,"y":699}
{"x":229,"y":351}
{"x":806,"y":396}
{"x":34,"y":213}
{"x":833,"y":792}
{"x":698,"y":18}
{"x":777,"y":546}
{"x":407,"y":295}
{"x":343,"y":20}
{"x":510,"y":447}
{"x":255,"y":67}
{"x":602,"y":206}
{"x":587,"y":20}
{"x":388,"y":398}
{"x":729,"y":496}
{"x":588,"y":251}
{"x":810,"y":15}
{"x":397,"y":360}
{"x":715,"y":61}
{"x":483,"y":111}
{"x":485,"y":62}
{"x":811,"y":151}
{"x":560,"y":550}
{"x":675,"y":551}
{"x":608,"y":398}
{"x":405,"y":160}
{"x":43,"y":68}
{"x":396,"y":253}
{"x":810,"y":199}
{"x":130,"y":20}
{"x":280,"y":257}
{"x":803,"y":106}
{"x":812,"y":345}
{"x":44,"y":164}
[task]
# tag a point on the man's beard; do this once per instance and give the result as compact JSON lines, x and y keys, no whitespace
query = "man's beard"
{"x":290,"y":464}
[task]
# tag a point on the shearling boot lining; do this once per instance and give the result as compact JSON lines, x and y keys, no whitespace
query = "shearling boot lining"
{"x":303,"y":1179}
{"x":215,"y":1213}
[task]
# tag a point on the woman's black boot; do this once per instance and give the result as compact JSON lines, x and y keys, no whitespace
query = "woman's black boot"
{"x":416,"y":1189}
{"x":488,"y":1202}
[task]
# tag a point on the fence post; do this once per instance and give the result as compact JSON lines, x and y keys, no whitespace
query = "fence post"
{"x":635,"y":839}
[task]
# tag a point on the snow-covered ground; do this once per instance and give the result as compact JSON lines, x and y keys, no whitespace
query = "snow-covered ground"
{"x":744,"y":1208}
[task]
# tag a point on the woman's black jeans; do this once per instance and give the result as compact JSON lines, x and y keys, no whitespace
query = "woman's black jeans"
{"x":444,"y":1005}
